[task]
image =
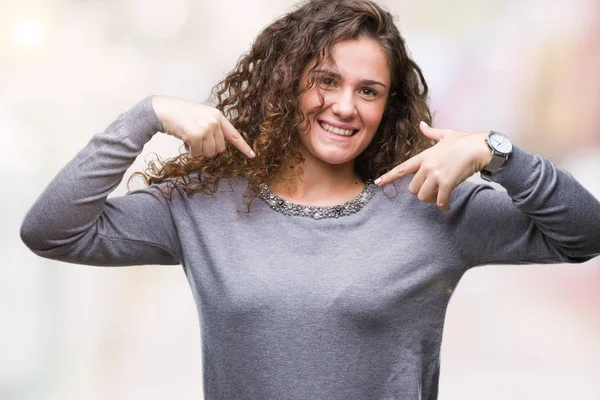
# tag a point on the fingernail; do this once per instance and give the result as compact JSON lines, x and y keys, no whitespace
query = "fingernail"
{"x":377,"y":181}
{"x":252,"y":153}
{"x":443,"y":207}
{"x":424,"y":123}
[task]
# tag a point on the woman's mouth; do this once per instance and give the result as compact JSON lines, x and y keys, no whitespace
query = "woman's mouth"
{"x":337,"y":131}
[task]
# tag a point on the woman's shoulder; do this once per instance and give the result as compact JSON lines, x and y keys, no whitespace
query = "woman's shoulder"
{"x":192,"y":188}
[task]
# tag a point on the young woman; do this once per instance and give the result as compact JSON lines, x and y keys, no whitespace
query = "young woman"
{"x":321,"y":225}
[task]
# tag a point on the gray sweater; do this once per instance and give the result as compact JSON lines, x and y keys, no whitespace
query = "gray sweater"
{"x":296,"y":308}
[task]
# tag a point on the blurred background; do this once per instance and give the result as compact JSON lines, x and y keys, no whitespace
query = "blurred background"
{"x":529,"y":68}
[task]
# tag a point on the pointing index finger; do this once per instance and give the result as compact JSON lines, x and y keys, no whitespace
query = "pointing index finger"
{"x":234,"y":137}
{"x":407,"y":167}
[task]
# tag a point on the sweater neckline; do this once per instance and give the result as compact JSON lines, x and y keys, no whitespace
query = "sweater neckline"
{"x":289,"y":208}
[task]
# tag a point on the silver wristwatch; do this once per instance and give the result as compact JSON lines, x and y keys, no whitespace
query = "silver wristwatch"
{"x":501,"y":149}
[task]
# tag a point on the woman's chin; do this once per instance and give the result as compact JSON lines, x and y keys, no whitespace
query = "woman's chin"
{"x":329,"y":154}
{"x":336,"y":159}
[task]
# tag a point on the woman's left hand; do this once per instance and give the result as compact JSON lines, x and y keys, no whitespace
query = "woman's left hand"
{"x":439,"y":169}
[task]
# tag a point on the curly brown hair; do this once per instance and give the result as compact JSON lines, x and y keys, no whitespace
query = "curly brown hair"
{"x":261,"y":99}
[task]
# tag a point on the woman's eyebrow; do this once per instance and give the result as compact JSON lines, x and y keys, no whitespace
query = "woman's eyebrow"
{"x":338,"y":76}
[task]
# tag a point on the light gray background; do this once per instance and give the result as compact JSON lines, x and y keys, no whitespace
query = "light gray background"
{"x":528,"y":68}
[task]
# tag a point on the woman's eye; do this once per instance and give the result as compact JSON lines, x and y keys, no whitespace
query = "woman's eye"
{"x":327,"y":82}
{"x":369,"y":92}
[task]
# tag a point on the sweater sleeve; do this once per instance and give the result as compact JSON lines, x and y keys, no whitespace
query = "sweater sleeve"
{"x":545,"y":216}
{"x":73,"y":220}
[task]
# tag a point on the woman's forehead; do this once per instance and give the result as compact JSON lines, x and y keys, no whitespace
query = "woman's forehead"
{"x":361,"y":58}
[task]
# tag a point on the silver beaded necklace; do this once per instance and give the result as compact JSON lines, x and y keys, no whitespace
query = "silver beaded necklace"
{"x":318,"y":212}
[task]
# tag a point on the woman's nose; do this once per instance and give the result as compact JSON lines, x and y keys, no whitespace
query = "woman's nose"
{"x":343,"y":105}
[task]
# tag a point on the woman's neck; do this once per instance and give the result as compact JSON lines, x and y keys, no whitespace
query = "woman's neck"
{"x":318,"y":184}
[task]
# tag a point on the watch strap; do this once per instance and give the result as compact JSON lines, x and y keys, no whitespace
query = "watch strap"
{"x":486,"y":175}
{"x":496,"y":162}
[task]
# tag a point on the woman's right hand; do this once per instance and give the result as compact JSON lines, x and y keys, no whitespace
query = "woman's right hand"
{"x":204,"y":129}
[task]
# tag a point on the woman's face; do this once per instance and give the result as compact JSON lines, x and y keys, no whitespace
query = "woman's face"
{"x":355,"y":89}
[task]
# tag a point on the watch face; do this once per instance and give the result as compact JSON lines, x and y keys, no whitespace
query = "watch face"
{"x":500,"y":143}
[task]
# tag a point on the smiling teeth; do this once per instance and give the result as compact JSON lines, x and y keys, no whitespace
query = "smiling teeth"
{"x":337,"y":131}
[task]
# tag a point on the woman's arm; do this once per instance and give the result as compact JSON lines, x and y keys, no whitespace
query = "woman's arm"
{"x":73,"y":221}
{"x":545,"y":216}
